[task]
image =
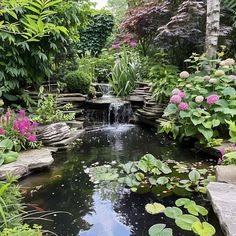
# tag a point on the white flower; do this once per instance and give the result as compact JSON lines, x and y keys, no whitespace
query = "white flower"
{"x":229,"y":62}
{"x":213,"y":81}
{"x":199,"y":99}
{"x":175,"y":91}
{"x":184,"y":75}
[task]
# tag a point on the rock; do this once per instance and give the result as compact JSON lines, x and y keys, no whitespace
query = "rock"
{"x":223,"y":199}
{"x":28,"y":161}
{"x":226,"y":174}
{"x":135,"y":98}
{"x":75,"y":124}
{"x":99,"y":94}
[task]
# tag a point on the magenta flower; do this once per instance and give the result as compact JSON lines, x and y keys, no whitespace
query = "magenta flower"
{"x":15,"y":125}
{"x":115,"y":46}
{"x":3,"y":120}
{"x":32,"y":138}
{"x":212,"y":99}
{"x":182,"y":94}
{"x":175,"y":99}
{"x":8,"y":116}
{"x":133,"y":44}
{"x":22,"y":113}
{"x":34,"y":125}
{"x":2,"y":131}
{"x":183,"y":106}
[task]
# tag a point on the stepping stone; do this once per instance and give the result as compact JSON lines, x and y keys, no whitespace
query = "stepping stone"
{"x":223,"y":199}
{"x":226,"y":174}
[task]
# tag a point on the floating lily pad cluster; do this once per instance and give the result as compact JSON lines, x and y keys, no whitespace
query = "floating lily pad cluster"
{"x":188,"y":222}
{"x":149,"y":173}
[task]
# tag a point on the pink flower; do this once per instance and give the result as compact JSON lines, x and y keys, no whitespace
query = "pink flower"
{"x":115,"y":46}
{"x":32,"y":138}
{"x":22,"y":113}
{"x":2,"y":131}
{"x":133,"y":44}
{"x":22,"y":131}
{"x":182,"y":94}
{"x":15,"y":125}
{"x":8,"y":116}
{"x":34,"y":125}
{"x":175,"y":91}
{"x":175,"y":99}
{"x":212,"y":99}
{"x":183,"y":106}
{"x":3,"y":120}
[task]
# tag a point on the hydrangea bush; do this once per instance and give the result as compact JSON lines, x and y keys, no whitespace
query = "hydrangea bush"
{"x":201,"y":105}
{"x":18,"y":128}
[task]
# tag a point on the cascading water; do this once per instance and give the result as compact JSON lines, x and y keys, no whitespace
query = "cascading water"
{"x":106,"y":89}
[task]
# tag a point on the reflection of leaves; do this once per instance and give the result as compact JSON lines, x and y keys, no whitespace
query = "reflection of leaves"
{"x":203,"y":229}
{"x":154,"y":208}
{"x":160,"y":230}
{"x":129,"y":167}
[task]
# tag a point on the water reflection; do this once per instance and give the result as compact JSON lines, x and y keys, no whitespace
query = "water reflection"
{"x":102,"y":210}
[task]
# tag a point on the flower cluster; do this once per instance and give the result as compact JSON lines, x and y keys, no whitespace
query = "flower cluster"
{"x":177,"y":97}
{"x":18,"y":126}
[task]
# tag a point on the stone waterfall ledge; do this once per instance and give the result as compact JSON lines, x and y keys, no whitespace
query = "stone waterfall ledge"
{"x":28,"y":161}
{"x":223,"y":199}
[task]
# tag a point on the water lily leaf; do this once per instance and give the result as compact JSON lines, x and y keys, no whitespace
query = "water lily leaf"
{"x":160,"y":230}
{"x":186,"y":221}
{"x":147,"y":163}
{"x":164,"y":168}
{"x":129,"y":167}
{"x":194,"y":176}
{"x":140,"y":176}
{"x":203,"y":229}
{"x":162,"y":180}
{"x":152,"y":180}
{"x":154,"y":208}
{"x":173,"y":212}
{"x":182,"y":202}
{"x":131,"y":181}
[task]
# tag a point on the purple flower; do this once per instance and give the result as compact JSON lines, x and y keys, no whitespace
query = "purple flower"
{"x":183,"y":106}
{"x":182,"y":94}
{"x":212,"y":99}
{"x":2,"y":131}
{"x":115,"y":46}
{"x":133,"y":44}
{"x":175,"y":99}
{"x":15,"y":125}
{"x":22,"y":113}
{"x":34,"y":125}
{"x":3,"y":120}
{"x":32,"y":138}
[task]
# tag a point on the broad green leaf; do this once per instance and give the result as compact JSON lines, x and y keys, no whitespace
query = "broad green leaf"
{"x":203,"y":229}
{"x":207,"y":133}
{"x":162,"y":180}
{"x":160,"y":230}
{"x":182,"y":201}
{"x":186,"y":221}
{"x":6,"y":144}
{"x":154,"y":208}
{"x":194,"y":176}
{"x":173,"y":212}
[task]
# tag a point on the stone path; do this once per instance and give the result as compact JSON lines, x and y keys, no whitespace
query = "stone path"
{"x":28,"y":161}
{"x":223,"y":198}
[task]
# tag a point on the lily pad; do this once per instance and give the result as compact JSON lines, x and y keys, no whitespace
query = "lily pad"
{"x":203,"y":229}
{"x":155,"y":208}
{"x":162,"y":180}
{"x":194,"y":176}
{"x":186,"y":221}
{"x":160,"y":230}
{"x":182,"y":201}
{"x":173,"y":212}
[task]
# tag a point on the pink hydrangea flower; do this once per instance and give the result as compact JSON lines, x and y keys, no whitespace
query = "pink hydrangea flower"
{"x":183,"y":106}
{"x":175,"y":99}
{"x":175,"y":91}
{"x":32,"y":138}
{"x":199,"y":99}
{"x":212,"y":99}
{"x":2,"y":131}
{"x":182,"y":94}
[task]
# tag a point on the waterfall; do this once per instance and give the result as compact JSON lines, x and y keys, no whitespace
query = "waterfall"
{"x":106,"y":89}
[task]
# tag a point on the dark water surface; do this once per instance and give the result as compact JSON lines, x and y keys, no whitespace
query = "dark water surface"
{"x":103,"y":210}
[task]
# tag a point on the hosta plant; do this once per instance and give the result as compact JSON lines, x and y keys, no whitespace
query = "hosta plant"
{"x":201,"y":104}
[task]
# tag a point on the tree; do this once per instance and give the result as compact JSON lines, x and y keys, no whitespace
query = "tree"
{"x":118,"y":9}
{"x":212,"y":28}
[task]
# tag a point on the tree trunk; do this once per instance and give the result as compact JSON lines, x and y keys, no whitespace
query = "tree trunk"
{"x":212,"y":28}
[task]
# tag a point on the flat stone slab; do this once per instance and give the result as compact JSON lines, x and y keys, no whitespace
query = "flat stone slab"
{"x":226,"y":174}
{"x":223,"y":199}
{"x":28,"y":161}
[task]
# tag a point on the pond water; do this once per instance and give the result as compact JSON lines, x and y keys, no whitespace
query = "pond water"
{"x":104,"y":210}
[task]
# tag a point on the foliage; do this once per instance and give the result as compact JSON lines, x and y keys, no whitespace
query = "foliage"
{"x":10,"y":206}
{"x":146,"y":174}
{"x":160,"y":230}
{"x":6,"y":153}
{"x":28,"y":39}
{"x":93,"y":39}
{"x":154,"y":208}
{"x":47,"y":111}
{"x":201,"y":104}
{"x":118,"y":8}
{"x":229,"y":158}
{"x":189,"y":222}
{"x":19,"y":129}
{"x":22,"y":230}
{"x":78,"y":81}
{"x":125,"y":73}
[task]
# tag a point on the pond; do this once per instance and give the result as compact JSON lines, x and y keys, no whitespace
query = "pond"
{"x":92,"y":210}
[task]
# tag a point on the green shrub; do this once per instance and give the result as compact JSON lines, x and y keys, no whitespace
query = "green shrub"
{"x":23,"y":230}
{"x":78,"y":81}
